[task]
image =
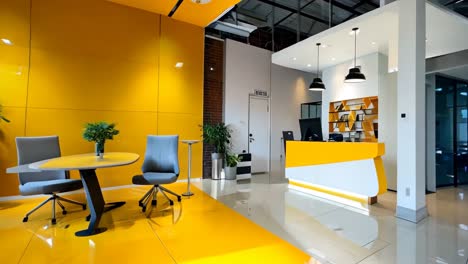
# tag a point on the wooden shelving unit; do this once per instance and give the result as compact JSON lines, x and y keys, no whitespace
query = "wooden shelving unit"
{"x":356,"y":119}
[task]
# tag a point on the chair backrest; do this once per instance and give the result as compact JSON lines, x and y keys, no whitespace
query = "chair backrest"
{"x":162,"y":154}
{"x":33,"y":149}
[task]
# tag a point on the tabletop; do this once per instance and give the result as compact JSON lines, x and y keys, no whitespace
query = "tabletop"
{"x":86,"y":161}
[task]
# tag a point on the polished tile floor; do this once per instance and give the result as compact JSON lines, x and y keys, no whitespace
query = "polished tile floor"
{"x":334,"y":233}
{"x":197,"y":230}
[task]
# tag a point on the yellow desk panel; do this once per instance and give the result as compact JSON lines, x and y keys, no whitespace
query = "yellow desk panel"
{"x":202,"y":14}
{"x":350,"y":170}
{"x":304,"y":153}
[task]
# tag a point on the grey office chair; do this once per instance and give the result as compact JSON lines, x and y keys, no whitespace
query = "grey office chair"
{"x":161,"y":166}
{"x":33,"y":149}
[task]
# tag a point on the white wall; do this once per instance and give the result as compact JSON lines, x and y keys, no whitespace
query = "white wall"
{"x":388,"y":116}
{"x":289,"y":89}
{"x":378,"y":83}
{"x":247,"y":69}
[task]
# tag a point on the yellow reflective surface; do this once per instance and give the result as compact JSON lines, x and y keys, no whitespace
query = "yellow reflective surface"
{"x":197,"y":230}
{"x":88,"y":161}
{"x":305,"y":153}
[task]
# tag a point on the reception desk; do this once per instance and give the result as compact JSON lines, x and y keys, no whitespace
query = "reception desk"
{"x":349,"y":170}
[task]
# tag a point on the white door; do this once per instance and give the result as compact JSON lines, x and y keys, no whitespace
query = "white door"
{"x":259,"y":124}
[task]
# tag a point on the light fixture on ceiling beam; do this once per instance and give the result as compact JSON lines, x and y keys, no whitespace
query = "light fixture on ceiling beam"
{"x":355,"y":75}
{"x":317,"y":84}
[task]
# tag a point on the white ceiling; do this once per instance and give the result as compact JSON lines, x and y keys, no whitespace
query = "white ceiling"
{"x":446,"y":32}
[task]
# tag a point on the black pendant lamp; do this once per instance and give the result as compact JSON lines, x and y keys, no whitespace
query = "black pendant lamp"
{"x":355,"y":75}
{"x":317,"y":84}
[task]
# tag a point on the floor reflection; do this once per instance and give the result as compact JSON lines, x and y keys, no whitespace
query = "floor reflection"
{"x":336,"y":233}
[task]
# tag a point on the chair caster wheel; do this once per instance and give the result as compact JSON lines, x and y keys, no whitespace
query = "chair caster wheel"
{"x":179,"y":199}
{"x":64,"y":212}
{"x":84,"y":207}
{"x":171,"y":202}
{"x":143,"y":209}
{"x":54,"y":221}
{"x":88,"y":218}
{"x":154,"y":202}
{"x":25,"y":220}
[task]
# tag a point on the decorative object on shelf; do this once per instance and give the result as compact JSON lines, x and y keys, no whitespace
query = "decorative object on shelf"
{"x":355,"y":74}
{"x":2,"y":117}
{"x":230,"y":170}
{"x":358,"y":115}
{"x":317,"y":84}
{"x":218,"y":135}
{"x":98,"y":133}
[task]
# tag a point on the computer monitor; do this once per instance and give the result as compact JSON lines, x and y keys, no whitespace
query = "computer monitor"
{"x":311,"y":129}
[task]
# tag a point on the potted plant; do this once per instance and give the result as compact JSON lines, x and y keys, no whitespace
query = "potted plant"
{"x":98,"y":133}
{"x":217,"y":135}
{"x":230,"y":170}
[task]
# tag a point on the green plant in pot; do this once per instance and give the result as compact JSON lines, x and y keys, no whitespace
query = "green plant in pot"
{"x":219,"y":136}
{"x":98,"y":133}
{"x":230,"y":170}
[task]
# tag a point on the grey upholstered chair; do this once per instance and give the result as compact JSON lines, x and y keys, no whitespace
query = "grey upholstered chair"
{"x":161,"y":166}
{"x":33,"y":149}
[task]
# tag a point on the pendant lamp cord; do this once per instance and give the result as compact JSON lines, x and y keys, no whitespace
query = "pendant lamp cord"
{"x":318,"y":58}
{"x":355,"y":44}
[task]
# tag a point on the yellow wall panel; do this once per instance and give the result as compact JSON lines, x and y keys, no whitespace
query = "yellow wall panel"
{"x":181,"y":89}
{"x":8,"y":133}
{"x":60,"y":80}
{"x":14,"y":59}
{"x":98,"y":29}
{"x":187,"y":127}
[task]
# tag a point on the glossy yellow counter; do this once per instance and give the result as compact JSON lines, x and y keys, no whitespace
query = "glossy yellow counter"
{"x":351,"y":170}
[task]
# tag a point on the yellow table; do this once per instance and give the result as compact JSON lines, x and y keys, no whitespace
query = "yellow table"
{"x":87,"y":165}
{"x":350,"y":170}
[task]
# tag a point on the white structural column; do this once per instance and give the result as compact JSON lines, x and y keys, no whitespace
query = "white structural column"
{"x":411,"y":179}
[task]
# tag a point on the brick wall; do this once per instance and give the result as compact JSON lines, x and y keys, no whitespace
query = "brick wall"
{"x":213,"y":93}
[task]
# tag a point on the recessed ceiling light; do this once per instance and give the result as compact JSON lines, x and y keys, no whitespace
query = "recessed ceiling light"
{"x":325,"y":46}
{"x":211,"y":69}
{"x":333,"y":59}
{"x":294,"y":58}
{"x":373,"y":42}
{"x":179,"y":65}
{"x":309,"y":65}
{"x":201,"y":1}
{"x":7,"y":41}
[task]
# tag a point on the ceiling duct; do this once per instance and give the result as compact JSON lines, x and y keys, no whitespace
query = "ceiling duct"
{"x":240,"y":29}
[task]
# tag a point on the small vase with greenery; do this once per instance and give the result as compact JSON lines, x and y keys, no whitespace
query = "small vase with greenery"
{"x":230,"y":170}
{"x":98,"y":133}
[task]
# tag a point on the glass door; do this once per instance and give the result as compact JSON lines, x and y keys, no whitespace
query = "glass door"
{"x":461,"y":161}
{"x":445,"y":153}
{"x":451,"y":132}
